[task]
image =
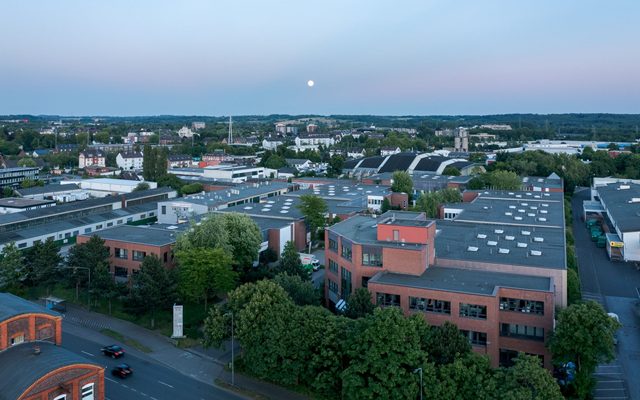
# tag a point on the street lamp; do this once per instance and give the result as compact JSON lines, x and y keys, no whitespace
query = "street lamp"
{"x":419,"y":370}
{"x":233,"y":372}
{"x":88,"y":284}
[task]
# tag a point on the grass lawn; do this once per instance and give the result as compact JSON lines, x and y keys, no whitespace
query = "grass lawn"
{"x":194,"y":313}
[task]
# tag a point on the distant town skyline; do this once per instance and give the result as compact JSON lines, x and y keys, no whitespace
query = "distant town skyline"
{"x":250,"y":57}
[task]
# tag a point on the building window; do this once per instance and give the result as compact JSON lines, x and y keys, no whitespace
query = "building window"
{"x":138,"y":255}
{"x":121,"y":272}
{"x":22,"y":245}
{"x":519,"y":305}
{"x":333,"y":287}
{"x":430,"y":305}
{"x":365,"y":281}
{"x":372,"y":256}
{"x":98,"y":226}
{"x":388,"y":300}
{"x":522,"y":332}
{"x":164,"y":210}
{"x":87,"y":392}
{"x":87,"y":230}
{"x":17,"y":340}
{"x":130,"y":219}
{"x":61,"y":397}
{"x":473,"y":311}
{"x":333,"y":266}
{"x":166,"y":256}
{"x":345,"y":283}
{"x":396,"y":235}
{"x":76,"y":233}
{"x":346,"y":250}
{"x":120,"y":253}
{"x":143,"y":216}
{"x":333,"y":245}
{"x":109,"y":224}
{"x":475,"y":338}
{"x":507,"y":356}
{"x":119,"y":222}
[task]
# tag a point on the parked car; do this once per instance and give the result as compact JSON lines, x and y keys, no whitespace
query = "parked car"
{"x":113,"y":351}
{"x":122,"y":371}
{"x":309,"y":261}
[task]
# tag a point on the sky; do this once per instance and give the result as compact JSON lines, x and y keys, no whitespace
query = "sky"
{"x":214,"y":57}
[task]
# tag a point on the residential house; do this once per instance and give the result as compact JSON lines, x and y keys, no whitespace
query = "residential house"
{"x":389,"y":151}
{"x":92,"y":158}
{"x":129,"y":160}
{"x":179,"y":161}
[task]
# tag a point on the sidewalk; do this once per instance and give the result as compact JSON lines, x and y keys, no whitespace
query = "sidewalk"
{"x":205,"y":365}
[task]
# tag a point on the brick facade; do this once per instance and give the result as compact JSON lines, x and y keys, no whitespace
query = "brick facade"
{"x":31,"y":327}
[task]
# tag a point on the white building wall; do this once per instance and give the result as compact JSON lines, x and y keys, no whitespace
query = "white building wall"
{"x":631,"y":246}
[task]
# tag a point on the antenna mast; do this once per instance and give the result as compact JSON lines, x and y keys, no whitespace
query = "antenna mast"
{"x":230,"y":138}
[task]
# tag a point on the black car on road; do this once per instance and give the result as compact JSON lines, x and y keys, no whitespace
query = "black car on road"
{"x":113,"y":351}
{"x":122,"y":371}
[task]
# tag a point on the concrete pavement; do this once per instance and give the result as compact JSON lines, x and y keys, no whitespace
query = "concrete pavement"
{"x":614,"y":285}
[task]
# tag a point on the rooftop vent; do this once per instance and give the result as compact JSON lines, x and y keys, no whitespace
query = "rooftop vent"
{"x":521,"y":210}
{"x":481,"y":236}
{"x":537,"y":196}
{"x":524,"y":204}
{"x":248,"y":208}
{"x":531,"y":215}
{"x":508,"y":237}
{"x":499,"y":231}
{"x":533,"y":207}
{"x":624,"y":187}
{"x":545,"y":205}
{"x":492,"y":243}
{"x":265,"y":210}
{"x":535,"y":252}
{"x":538,"y":239}
{"x":512,"y":207}
{"x":522,"y":245}
{"x":503,"y":251}
{"x":519,"y":196}
{"x":485,"y":208}
{"x":525,"y":233}
{"x":511,"y":193}
{"x":283,"y":211}
{"x":508,"y":213}
{"x":543,"y":211}
{"x":635,"y":200}
{"x":472,"y":248}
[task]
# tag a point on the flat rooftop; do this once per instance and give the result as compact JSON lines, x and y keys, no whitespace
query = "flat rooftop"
{"x":363,"y":229}
{"x":622,"y":202}
{"x":500,"y":244}
{"x":345,"y":191}
{"x":12,"y":306}
{"x":236,"y":193}
{"x":51,"y":188}
{"x":532,"y":209}
{"x":16,"y":202}
{"x":146,"y":235}
{"x":466,"y":281}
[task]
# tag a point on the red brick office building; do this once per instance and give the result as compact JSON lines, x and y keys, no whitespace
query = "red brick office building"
{"x":129,"y":245}
{"x":34,"y":366}
{"x":498,"y":283}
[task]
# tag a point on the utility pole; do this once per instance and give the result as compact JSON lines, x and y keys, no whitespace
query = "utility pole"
{"x":230,"y":138}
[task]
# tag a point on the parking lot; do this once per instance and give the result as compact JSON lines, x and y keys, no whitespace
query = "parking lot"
{"x":616,"y":285}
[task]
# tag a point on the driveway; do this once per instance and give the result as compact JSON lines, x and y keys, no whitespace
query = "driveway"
{"x":615,"y":286}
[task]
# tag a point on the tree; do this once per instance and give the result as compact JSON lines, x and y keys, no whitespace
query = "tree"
{"x":171,"y":181}
{"x":216,"y":327}
{"x":402,"y":182}
{"x":468,"y":376}
{"x":12,"y":268}
{"x":302,"y":292}
{"x":205,"y":272}
{"x":574,"y":294}
{"x":314,"y":209}
{"x":192,"y":188}
{"x":584,"y":335}
{"x":27,"y":162}
{"x":43,"y":262}
{"x":290,"y":262}
{"x":383,"y":352}
{"x":451,"y":171}
{"x":386,"y":205}
{"x":477,"y":157}
{"x":359,"y":304}
{"x":457,"y":345}
{"x":141,"y":186}
{"x":162,"y":163}
{"x":336,"y":163}
{"x":149,"y":163}
{"x":209,"y":233}
{"x":503,"y":180}
{"x":103,"y":285}
{"x":153,"y":287}
{"x":7,"y":192}
{"x":244,"y":237}
{"x":85,"y":257}
{"x":527,"y":379}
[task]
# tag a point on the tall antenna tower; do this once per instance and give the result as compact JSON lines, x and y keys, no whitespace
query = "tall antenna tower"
{"x":230,"y":138}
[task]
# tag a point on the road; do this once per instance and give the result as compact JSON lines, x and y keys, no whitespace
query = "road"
{"x":318,"y":276}
{"x":150,"y":380}
{"x":614,"y":285}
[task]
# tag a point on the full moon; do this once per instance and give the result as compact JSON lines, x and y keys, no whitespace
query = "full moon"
{"x":310,"y":83}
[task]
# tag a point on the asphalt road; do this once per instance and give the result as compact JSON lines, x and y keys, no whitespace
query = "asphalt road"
{"x":615,"y":285}
{"x":149,"y":380}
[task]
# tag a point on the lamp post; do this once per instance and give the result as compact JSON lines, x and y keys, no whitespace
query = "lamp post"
{"x":233,"y":372}
{"x":419,"y":370}
{"x":88,"y":284}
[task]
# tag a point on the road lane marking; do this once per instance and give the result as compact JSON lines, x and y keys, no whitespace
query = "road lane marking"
{"x":109,"y":379}
{"x":89,"y":354}
{"x":166,"y":384}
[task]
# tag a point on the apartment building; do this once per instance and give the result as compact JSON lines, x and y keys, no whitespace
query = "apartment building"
{"x":497,"y":278}
{"x":129,"y":160}
{"x":13,"y":177}
{"x":92,"y":158}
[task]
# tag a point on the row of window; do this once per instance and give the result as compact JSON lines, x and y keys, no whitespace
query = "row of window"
{"x":86,"y":393}
{"x":519,"y":305}
{"x":433,"y":305}
{"x":522,"y":332}
{"x":371,"y":255}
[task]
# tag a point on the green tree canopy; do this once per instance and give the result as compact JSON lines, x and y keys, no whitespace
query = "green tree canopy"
{"x":402,"y":182}
{"x":451,"y":171}
{"x":503,"y":180}
{"x":12,"y":268}
{"x":457,"y":345}
{"x":290,"y":262}
{"x":584,"y":335}
{"x":154,"y":287}
{"x":244,"y":237}
{"x":314,"y":209}
{"x":302,"y":292}
{"x":209,"y":233}
{"x":205,"y":272}
{"x":526,"y":379}
{"x":141,"y":186}
{"x":359,"y":304}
